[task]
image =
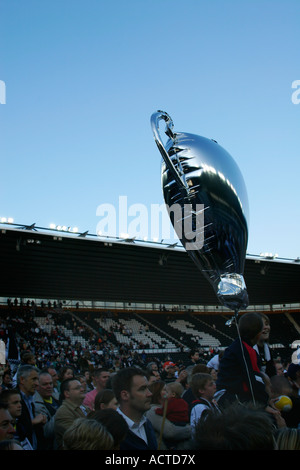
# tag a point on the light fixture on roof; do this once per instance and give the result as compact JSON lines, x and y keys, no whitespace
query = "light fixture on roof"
{"x":6,"y":220}
{"x":63,"y":228}
{"x":269,"y":255}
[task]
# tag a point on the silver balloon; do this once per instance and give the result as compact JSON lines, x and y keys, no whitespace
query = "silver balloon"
{"x":207,"y":201}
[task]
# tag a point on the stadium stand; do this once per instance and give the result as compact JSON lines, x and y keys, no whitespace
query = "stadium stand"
{"x":56,"y":331}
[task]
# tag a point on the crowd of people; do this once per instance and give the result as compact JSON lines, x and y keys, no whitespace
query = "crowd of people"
{"x":228,"y":402}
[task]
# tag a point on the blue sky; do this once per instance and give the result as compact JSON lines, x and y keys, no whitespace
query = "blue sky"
{"x":83,"y":77}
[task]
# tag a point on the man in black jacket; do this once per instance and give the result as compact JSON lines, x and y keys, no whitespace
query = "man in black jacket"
{"x":131,"y":390}
{"x":29,"y":424}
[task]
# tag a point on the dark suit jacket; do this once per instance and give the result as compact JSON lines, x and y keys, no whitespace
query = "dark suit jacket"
{"x":133,"y":442}
{"x":25,"y":428}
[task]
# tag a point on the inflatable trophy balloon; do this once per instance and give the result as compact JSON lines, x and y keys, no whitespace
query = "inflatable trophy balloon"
{"x":207,"y":202}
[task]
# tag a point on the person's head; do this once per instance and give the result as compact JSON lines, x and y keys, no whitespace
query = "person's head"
{"x":174,"y":390}
{"x":27,"y":379}
{"x":6,"y":423}
{"x":28,"y":358}
{"x":45,"y":385}
{"x":12,"y":399}
{"x":265,"y":334}
{"x":159,"y":392}
{"x":293,"y":372}
{"x":65,"y":372}
{"x":250,"y":327}
{"x":152,"y":376}
{"x":194,"y":355}
{"x":152,"y":366}
{"x":280,"y":385}
{"x":72,"y":390}
{"x":6,"y":380}
{"x":131,"y":390}
{"x":288,"y":439}
{"x":105,"y":399}
{"x":87,"y":434}
{"x":203,"y":386}
{"x":52,"y":371}
{"x":214,"y":373}
{"x":87,"y":375}
{"x":100,"y":378}
{"x":170,"y":368}
{"x":238,"y":427}
{"x":114,"y":423}
{"x":200,"y":368}
{"x":279,"y":368}
{"x":82,"y":380}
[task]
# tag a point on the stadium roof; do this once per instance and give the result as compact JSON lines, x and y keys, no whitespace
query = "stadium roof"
{"x":43,"y":264}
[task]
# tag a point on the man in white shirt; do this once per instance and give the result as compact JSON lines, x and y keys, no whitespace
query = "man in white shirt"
{"x":131,"y":390}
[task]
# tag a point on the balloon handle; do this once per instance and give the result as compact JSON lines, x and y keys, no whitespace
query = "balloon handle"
{"x":233,"y":319}
{"x":155,"y":118}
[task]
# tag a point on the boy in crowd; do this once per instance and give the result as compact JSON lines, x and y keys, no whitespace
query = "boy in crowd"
{"x":203,"y":387}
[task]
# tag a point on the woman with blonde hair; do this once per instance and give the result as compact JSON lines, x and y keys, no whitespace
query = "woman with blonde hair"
{"x":87,"y":434}
{"x":288,"y":439}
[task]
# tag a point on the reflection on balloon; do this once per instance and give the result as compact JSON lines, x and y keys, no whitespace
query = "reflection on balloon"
{"x":207,"y":201}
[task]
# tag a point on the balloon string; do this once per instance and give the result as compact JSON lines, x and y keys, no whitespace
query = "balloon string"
{"x":244,"y":358}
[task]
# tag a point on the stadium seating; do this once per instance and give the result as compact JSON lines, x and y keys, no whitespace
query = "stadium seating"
{"x":167,"y":335}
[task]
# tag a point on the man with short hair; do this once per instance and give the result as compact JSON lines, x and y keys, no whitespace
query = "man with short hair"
{"x":30,"y":424}
{"x":131,"y":390}
{"x":100,"y":378}
{"x":45,"y":403}
{"x":12,"y":398}
{"x":72,"y":393}
{"x":279,"y":368}
{"x":7,"y":429}
{"x":194,"y":357}
{"x":52,"y":371}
